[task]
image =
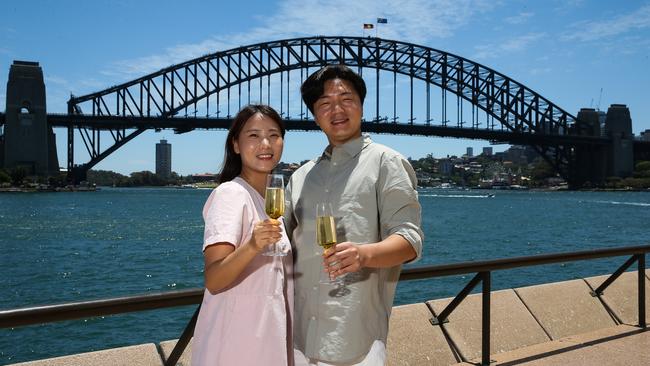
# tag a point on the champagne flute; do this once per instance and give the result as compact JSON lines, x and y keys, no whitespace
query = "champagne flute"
{"x":274,"y":207}
{"x":326,"y":236}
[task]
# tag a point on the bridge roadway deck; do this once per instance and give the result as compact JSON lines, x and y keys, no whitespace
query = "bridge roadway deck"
{"x":187,"y":124}
{"x":551,"y":324}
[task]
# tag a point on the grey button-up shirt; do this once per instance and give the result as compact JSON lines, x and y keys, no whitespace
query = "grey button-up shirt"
{"x":373,"y":194}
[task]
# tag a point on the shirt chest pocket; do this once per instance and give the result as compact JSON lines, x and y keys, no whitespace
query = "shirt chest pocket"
{"x":359,"y":194}
{"x":357,"y":210}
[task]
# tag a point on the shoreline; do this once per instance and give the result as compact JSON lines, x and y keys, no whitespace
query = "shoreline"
{"x":47,"y":189}
{"x":200,"y":187}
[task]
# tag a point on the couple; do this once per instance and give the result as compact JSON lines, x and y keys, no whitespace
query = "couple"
{"x":247,"y":316}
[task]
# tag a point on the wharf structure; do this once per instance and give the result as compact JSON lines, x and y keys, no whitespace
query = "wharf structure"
{"x":591,"y":321}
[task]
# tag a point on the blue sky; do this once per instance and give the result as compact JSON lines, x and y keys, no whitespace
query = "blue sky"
{"x":566,"y":50}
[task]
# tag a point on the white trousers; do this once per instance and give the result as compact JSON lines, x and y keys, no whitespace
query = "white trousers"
{"x":375,"y":357}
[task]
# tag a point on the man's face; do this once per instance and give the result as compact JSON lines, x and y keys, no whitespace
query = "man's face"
{"x":338,"y":112}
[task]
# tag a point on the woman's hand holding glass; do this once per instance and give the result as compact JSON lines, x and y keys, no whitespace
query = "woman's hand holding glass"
{"x":274,"y":207}
{"x":265,"y":233}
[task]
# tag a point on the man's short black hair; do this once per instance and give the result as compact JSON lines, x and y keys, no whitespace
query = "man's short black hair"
{"x":313,"y":87}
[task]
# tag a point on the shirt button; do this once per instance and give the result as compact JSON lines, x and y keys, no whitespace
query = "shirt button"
{"x":313,"y":318}
{"x":315,"y":288}
{"x":327,"y":190}
{"x":334,"y":163}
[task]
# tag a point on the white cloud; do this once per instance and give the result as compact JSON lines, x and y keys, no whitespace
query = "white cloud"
{"x":516,"y":44}
{"x":56,"y":80}
{"x":567,"y":6}
{"x":599,"y":29}
{"x":416,"y":20}
{"x":540,"y":70}
{"x":628,"y":45}
{"x":91,"y":84}
{"x":144,"y":65}
{"x":522,"y":42}
{"x":520,"y":18}
{"x":59,"y":90}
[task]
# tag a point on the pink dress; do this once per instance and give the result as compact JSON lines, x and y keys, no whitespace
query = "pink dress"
{"x":249,"y":322}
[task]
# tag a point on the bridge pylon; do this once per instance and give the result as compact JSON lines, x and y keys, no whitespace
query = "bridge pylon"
{"x":29,"y":141}
{"x":590,"y":163}
{"x":618,"y":127}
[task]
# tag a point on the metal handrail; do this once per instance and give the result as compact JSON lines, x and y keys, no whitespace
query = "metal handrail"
{"x":514,"y":262}
{"x":84,"y":309}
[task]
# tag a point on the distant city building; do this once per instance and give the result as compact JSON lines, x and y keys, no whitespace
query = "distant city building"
{"x":518,"y":154}
{"x":487,"y":151}
{"x":602,"y":116}
{"x":645,"y":135}
{"x":164,"y":159}
{"x":470,"y":152}
{"x":475,"y":167}
{"x":445,"y":166}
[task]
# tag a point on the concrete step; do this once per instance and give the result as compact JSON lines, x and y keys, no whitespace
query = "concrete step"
{"x":621,"y":345}
{"x":140,"y":355}
{"x":167,"y":347}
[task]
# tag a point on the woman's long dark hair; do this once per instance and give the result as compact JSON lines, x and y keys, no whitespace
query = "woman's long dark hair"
{"x":232,"y":161}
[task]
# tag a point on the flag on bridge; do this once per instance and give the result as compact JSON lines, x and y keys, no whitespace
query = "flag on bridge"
{"x":368,"y":26}
{"x":382,"y":21}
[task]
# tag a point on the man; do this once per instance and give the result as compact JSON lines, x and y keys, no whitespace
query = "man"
{"x":372,"y":190}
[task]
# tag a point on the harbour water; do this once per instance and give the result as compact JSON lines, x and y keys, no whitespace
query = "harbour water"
{"x":74,"y":246}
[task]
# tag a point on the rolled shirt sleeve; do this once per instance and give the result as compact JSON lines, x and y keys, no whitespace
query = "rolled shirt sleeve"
{"x":399,"y":209}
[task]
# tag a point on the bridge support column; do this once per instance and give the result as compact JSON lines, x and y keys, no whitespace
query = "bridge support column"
{"x":618,"y":126}
{"x":28,"y":140}
{"x":589,"y":160}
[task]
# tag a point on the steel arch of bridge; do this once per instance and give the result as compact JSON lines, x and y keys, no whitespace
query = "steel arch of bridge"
{"x":180,"y":88}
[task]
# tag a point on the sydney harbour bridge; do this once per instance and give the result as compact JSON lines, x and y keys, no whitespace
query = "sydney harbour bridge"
{"x":412,"y":90}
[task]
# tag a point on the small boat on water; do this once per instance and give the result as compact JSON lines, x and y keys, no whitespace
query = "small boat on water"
{"x":187,"y":186}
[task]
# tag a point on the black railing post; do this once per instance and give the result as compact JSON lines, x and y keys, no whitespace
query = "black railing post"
{"x":485,"y":321}
{"x":641,"y":292}
{"x":614,"y":276}
{"x":444,"y":314}
{"x":184,"y":340}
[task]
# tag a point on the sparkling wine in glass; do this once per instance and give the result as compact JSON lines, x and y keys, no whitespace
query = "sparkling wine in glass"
{"x":326,"y":236}
{"x":274,"y":207}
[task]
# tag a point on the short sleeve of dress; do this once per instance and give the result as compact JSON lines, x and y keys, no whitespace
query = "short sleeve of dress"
{"x":224,"y":214}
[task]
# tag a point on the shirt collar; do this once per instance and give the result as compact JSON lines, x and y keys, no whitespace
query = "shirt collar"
{"x":348,"y":150}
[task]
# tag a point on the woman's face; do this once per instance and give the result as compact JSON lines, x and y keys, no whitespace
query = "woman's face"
{"x":259,"y":144}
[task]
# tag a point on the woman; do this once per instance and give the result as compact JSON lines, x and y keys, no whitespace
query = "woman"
{"x":245,"y":317}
